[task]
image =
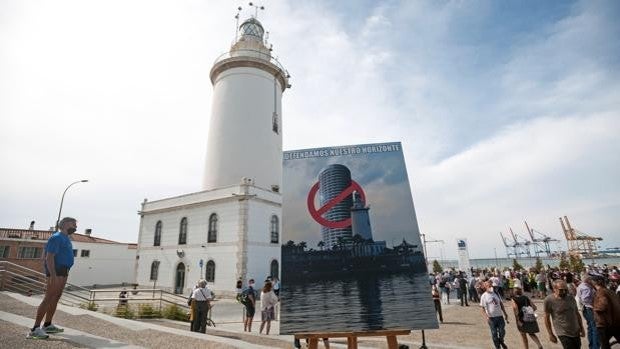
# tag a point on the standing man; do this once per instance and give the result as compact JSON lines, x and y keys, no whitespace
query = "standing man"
{"x":606,"y":307}
{"x":541,"y":283}
{"x":250,"y":306}
{"x":494,"y":312}
{"x":463,"y":288}
{"x":58,"y":261}
{"x":566,"y":319}
{"x":585,"y":293}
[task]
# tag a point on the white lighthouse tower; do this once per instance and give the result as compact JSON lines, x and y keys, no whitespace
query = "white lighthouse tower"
{"x":245,"y":132}
{"x":231,"y":229}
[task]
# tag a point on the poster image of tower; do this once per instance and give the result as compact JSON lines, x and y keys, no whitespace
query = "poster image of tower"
{"x":352,"y":258}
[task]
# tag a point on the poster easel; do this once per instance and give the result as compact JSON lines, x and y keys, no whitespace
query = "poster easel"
{"x":313,"y":337}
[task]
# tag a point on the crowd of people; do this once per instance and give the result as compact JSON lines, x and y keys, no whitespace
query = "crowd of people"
{"x":569,"y":300}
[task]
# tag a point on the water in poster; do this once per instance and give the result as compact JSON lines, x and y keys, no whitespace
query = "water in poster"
{"x":352,"y":259}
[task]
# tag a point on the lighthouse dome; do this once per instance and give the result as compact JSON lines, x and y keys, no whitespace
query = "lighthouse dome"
{"x":251,"y":29}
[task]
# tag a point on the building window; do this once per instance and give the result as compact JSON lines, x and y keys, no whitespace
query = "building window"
{"x":210,"y":271}
{"x":74,"y":253}
{"x":85,"y":253}
{"x":274,"y":268}
{"x":212,"y":236}
{"x":183,"y":232}
{"x":26,"y":252}
{"x":4,"y":251}
{"x":154,"y":270}
{"x":275,"y":230}
{"x":157,"y":240}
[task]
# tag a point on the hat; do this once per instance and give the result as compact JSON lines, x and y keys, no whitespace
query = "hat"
{"x":517,"y":284}
{"x":596,"y":276}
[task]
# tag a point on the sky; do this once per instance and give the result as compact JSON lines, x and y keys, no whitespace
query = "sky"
{"x":507,"y":110}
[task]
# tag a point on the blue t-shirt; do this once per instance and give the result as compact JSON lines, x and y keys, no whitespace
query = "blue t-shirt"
{"x":62,"y":248}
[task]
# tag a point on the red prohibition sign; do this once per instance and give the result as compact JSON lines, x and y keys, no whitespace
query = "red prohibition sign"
{"x":318,"y":214}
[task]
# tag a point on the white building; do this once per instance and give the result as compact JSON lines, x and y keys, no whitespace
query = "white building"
{"x":231,"y":229}
{"x":97,"y":261}
{"x":101,"y":262}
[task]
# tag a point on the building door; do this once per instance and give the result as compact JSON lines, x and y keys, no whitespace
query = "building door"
{"x":179,"y":282}
{"x":275,"y":269}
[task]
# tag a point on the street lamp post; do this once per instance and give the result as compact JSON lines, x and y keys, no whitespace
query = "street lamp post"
{"x":63,"y":199}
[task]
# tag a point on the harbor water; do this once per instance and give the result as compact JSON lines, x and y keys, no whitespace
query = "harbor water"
{"x":371,"y":302}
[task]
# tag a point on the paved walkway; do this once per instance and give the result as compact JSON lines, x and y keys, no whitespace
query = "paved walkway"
{"x":463,"y":328}
{"x":89,"y":329}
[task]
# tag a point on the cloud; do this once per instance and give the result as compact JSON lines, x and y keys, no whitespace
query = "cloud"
{"x":539,"y":170}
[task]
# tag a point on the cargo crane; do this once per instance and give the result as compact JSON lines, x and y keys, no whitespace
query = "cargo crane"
{"x":541,"y":243}
{"x":579,"y":243}
{"x":522,"y":248}
{"x":511,"y":249}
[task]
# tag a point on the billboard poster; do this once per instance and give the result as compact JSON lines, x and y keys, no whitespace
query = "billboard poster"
{"x":352,"y":259}
{"x":463,"y":255}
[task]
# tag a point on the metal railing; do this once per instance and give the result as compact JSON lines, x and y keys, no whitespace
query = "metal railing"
{"x":243,"y":53}
{"x":19,"y":279}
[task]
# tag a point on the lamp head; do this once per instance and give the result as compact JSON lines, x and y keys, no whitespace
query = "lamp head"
{"x":84,"y":180}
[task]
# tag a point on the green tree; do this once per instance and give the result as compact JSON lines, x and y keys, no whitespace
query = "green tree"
{"x":564,"y":263}
{"x":340,"y":242}
{"x":516,"y":266}
{"x":576,"y":263}
{"x":437,"y":267}
{"x":539,"y":265}
{"x":290,"y":243}
{"x":303,"y":245}
{"x":321,"y":245}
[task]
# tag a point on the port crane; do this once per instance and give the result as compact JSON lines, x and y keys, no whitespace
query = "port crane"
{"x":540,"y":241}
{"x":511,"y":249}
{"x":521,"y":247}
{"x":578,"y":242}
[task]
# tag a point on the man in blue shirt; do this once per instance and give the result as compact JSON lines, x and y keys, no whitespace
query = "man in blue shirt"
{"x":58,"y":261}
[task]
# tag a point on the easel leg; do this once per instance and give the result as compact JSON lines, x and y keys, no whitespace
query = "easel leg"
{"x":313,"y":343}
{"x":351,"y":342}
{"x":423,"y":346}
{"x":392,"y":342}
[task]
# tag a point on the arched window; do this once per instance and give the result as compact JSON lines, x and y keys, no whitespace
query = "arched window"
{"x":210,"y":271}
{"x":275,"y":230}
{"x":212,"y":236}
{"x":183,"y":232}
{"x":154,"y":270}
{"x":179,"y":282}
{"x":274,"y":269}
{"x":157,"y":240}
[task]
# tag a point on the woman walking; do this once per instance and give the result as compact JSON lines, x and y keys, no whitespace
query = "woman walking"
{"x":268,"y":300}
{"x":526,"y":319}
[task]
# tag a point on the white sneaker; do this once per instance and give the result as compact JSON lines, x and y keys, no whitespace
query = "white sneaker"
{"x":53,"y":329}
{"x":38,"y":333}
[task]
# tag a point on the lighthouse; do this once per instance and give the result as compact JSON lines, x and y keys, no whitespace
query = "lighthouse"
{"x":230,"y":230}
{"x":245,"y":130}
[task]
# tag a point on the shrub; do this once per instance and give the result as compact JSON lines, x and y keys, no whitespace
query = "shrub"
{"x":147,"y":311}
{"x":125,"y":312}
{"x":92,"y":306}
{"x":174,"y":312}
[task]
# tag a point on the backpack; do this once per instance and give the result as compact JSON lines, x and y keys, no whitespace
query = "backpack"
{"x":528,"y":314}
{"x":243,"y":298}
